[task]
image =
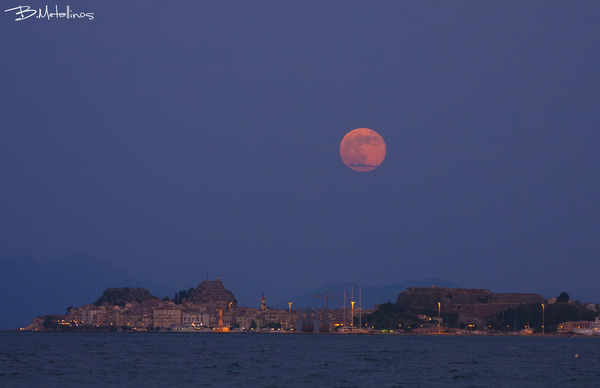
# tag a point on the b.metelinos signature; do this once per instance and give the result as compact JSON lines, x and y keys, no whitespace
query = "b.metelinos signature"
{"x":25,"y":12}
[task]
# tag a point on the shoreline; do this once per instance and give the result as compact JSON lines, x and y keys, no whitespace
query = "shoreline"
{"x":282,"y":332}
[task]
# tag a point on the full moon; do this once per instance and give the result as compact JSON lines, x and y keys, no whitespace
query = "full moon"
{"x":362,"y":149}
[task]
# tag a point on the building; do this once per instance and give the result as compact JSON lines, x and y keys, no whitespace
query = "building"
{"x":164,"y":317}
{"x":567,"y":327}
{"x":193,"y":318}
{"x":93,"y":317}
{"x":133,"y":319}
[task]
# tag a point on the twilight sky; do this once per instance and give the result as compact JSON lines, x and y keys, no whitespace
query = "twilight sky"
{"x":174,"y":139}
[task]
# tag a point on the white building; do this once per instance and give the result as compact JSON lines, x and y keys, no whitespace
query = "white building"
{"x":196,"y":319}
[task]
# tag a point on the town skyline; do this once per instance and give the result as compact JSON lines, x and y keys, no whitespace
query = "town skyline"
{"x":334,"y":297}
{"x":211,"y":307}
{"x":84,"y":277}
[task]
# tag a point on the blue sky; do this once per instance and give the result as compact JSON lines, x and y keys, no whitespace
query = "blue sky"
{"x":174,"y":139}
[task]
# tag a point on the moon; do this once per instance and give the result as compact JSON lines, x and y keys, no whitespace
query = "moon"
{"x":362,"y":149}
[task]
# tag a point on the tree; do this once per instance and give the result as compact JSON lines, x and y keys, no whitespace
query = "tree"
{"x":181,"y":295}
{"x":253,"y":324}
{"x":47,"y":323}
{"x":533,"y":315}
{"x":563,"y":298}
{"x":391,"y":316}
{"x":69,"y":310}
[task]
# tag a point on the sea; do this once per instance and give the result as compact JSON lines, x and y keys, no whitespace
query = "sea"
{"x":295,"y":360}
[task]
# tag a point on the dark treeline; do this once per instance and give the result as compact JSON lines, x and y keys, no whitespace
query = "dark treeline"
{"x":391,"y":316}
{"x":533,"y":316}
{"x":179,"y":296}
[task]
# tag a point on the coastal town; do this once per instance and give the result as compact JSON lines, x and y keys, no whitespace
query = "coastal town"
{"x":210,"y":307}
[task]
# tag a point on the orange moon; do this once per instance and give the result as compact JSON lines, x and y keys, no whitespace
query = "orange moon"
{"x":362,"y":149}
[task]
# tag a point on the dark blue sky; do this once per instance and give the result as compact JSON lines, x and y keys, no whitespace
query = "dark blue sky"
{"x":171,"y":139}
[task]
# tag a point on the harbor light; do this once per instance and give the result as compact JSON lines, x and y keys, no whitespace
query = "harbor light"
{"x":543,"y":318}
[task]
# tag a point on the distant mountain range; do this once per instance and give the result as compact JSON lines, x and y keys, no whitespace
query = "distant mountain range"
{"x":370,"y":295}
{"x":31,"y":289}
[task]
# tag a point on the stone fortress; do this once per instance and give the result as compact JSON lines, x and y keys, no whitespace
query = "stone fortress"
{"x":472,"y":305}
{"x":212,"y":293}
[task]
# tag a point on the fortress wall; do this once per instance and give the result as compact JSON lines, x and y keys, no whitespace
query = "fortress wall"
{"x":470,"y":301}
{"x":428,"y":297}
{"x":422,"y":297}
{"x":516,"y":298}
{"x":469,"y":295}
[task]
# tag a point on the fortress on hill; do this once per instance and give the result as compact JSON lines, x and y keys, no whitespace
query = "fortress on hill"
{"x":472,"y":305}
{"x":428,"y":297}
{"x":213,"y":293}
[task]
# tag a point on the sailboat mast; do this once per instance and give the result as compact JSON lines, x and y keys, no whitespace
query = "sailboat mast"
{"x":360,"y":308}
{"x":344,"y":307}
{"x":352,"y":302}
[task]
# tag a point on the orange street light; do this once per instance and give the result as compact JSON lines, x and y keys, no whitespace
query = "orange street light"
{"x":439,"y":317}
{"x":543,"y":318}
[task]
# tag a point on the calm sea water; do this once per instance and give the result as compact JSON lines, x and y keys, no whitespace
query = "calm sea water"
{"x":279,"y":360}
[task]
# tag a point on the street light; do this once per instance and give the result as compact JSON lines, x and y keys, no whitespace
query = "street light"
{"x":439,"y":317}
{"x":290,"y":316}
{"x":352,"y":324}
{"x":543,"y":318}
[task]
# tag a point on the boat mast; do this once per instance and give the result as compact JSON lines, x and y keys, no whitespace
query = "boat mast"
{"x":344,"y":307}
{"x":352,"y":301}
{"x":360,"y":308}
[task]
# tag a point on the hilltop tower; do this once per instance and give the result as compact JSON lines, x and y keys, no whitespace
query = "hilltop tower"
{"x":263,"y":303}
